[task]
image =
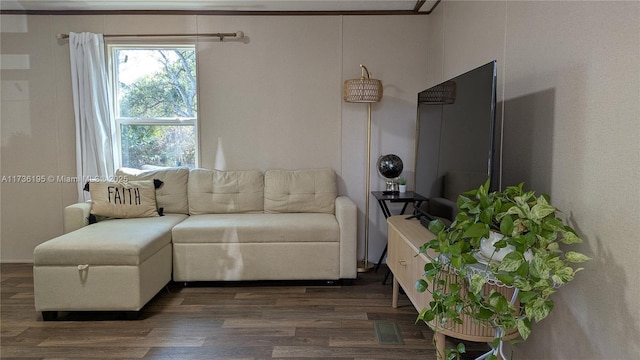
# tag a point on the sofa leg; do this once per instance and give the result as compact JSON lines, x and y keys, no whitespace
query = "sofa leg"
{"x":49,"y":315}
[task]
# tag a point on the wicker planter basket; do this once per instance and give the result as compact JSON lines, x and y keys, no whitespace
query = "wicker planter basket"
{"x":471,"y":330}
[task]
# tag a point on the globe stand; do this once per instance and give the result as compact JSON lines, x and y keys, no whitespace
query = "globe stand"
{"x":392,"y":188}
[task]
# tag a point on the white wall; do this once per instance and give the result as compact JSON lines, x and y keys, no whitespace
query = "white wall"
{"x":275,"y":101}
{"x":569,"y":91}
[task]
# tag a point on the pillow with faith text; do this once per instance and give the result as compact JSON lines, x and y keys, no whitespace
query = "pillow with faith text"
{"x":131,"y":199}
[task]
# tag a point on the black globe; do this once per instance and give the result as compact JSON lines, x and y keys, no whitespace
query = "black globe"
{"x":390,"y":166}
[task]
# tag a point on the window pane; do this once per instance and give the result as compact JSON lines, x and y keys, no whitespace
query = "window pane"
{"x":161,"y":145}
{"x":156,"y":83}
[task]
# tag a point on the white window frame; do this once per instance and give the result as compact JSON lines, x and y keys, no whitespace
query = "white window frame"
{"x":118,"y":121}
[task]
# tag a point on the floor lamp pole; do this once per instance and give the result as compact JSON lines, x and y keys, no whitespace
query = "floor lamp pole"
{"x":364,"y":90}
{"x":365,"y":266}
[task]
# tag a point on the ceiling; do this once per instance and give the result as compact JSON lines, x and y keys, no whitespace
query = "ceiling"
{"x":393,"y":6}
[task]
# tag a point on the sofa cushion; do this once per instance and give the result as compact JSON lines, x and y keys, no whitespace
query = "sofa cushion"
{"x":131,"y":199}
{"x":257,"y":228}
{"x":222,"y":192}
{"x":300,"y":191}
{"x":172,"y":195}
{"x":109,"y":242}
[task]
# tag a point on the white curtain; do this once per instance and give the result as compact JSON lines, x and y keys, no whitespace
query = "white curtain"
{"x":92,"y":107}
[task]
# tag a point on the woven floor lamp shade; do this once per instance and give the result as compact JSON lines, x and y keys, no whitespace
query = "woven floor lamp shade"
{"x":364,"y":90}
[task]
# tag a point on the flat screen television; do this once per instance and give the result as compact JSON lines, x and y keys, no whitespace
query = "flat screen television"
{"x":457,"y":142}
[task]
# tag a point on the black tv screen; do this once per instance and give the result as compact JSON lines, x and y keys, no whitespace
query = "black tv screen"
{"x":457,"y":147}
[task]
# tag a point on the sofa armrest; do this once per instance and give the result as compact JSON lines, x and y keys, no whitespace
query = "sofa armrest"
{"x":443,"y":208}
{"x":76,"y":216}
{"x":347,"y":217}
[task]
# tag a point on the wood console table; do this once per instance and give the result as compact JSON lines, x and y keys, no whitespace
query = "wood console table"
{"x":405,"y":238}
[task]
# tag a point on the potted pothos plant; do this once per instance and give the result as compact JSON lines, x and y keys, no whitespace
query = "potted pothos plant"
{"x":526,"y":253}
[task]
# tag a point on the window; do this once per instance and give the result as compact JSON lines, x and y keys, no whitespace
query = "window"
{"x":155,"y":105}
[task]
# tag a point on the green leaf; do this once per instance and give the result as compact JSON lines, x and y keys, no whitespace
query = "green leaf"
{"x":464,"y":202}
{"x":502,"y":305}
{"x":455,"y":249}
{"x":523,"y":270}
{"x":422,"y":285}
{"x":527,"y":296}
{"x":506,"y":279}
{"x":461,"y":349}
{"x":426,"y":315}
{"x":539,"y":267}
{"x":519,"y":227}
{"x":456,"y":261}
{"x":524,"y":328}
{"x":529,"y":239}
{"x":451,"y":314}
{"x":555,"y":263}
{"x":476,"y":230}
{"x":506,"y":225}
{"x":563,"y":275}
{"x":500,"y":244}
{"x":483,"y":190}
{"x":548,"y":291}
{"x":495,"y":343}
{"x":428,"y":267}
{"x":576,"y":257}
{"x":436,"y":226}
{"x":553,"y":223}
{"x":542,"y":200}
{"x":522,"y":284}
{"x":538,"y":309}
{"x":517,"y":211}
{"x":454,"y":288}
{"x":431,"y":244}
{"x":484,"y":313}
{"x":511,"y":262}
{"x":553,"y":247}
{"x":469,"y":259}
{"x":477,"y":282}
{"x":540,"y":211}
{"x":542,"y":284}
{"x":487,"y":215}
{"x":570,"y":238}
{"x":497,"y":300}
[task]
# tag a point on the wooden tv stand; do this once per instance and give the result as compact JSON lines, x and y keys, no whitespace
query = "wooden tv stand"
{"x":407,"y":265}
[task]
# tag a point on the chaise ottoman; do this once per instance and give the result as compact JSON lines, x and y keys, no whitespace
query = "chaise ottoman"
{"x":112,"y":265}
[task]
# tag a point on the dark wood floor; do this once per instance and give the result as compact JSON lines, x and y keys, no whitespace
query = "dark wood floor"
{"x":231,"y":321}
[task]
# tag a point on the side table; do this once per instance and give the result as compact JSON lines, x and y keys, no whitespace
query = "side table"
{"x":404,"y":197}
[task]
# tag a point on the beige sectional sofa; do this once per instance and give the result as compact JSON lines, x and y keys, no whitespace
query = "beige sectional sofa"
{"x":217,"y":226}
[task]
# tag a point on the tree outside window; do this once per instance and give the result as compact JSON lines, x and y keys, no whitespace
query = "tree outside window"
{"x":156,"y":105}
